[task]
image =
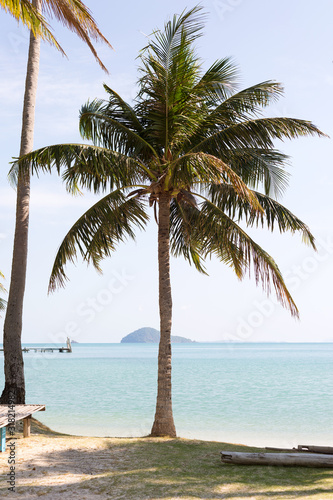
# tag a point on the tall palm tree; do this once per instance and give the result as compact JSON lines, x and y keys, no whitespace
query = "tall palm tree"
{"x":194,"y":150}
{"x":76,"y":16}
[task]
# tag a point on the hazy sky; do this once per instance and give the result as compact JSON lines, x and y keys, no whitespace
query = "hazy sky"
{"x":290,"y":42}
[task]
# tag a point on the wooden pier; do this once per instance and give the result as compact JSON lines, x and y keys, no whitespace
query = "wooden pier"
{"x":49,"y":349}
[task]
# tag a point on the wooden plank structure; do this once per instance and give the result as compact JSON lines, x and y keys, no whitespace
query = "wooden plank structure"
{"x":11,"y":414}
{"x":291,"y":459}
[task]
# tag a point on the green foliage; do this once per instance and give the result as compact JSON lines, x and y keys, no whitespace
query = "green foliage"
{"x":97,"y":233}
{"x":72,"y":14}
{"x":190,"y":134}
{"x":24,"y":11}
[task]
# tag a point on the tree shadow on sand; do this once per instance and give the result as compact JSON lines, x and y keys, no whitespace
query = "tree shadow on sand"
{"x":163,"y":468}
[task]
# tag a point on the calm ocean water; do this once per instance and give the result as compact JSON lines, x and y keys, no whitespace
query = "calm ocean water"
{"x":256,"y":394}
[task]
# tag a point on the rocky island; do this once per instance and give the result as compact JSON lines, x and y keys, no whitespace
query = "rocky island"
{"x":148,"y":335}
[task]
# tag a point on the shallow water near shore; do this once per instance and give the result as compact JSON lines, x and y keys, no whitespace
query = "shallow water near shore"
{"x":258,"y":394}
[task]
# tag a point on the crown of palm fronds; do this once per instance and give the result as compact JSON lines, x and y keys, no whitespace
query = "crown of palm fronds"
{"x":190,"y":134}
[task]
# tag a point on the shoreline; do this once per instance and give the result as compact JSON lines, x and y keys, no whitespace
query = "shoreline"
{"x":241,"y":437}
{"x":237,"y":438}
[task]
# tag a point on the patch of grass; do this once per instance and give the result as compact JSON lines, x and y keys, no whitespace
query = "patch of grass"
{"x":163,"y":469}
{"x":36,"y":428}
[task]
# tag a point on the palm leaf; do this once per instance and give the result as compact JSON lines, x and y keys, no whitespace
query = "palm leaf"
{"x":236,"y":108}
{"x":98,"y":232}
{"x":258,"y":133}
{"x":225,"y":198}
{"x":101,"y":124}
{"x":170,"y":69}
{"x":222,"y":237}
{"x":183,"y":217}
{"x":2,"y":288}
{"x":77,"y":17}
{"x":26,"y":12}
{"x":246,"y":103}
{"x":178,"y":33}
{"x":122,"y":111}
{"x":3,"y":304}
{"x":73,"y":14}
{"x":204,"y":168}
{"x":217,"y":83}
{"x":260,"y":167}
{"x":91,"y":167}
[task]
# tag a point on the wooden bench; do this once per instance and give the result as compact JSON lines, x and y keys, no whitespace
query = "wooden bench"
{"x":10,"y":414}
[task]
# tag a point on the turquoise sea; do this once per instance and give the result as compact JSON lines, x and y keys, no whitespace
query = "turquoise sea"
{"x":252,"y":393}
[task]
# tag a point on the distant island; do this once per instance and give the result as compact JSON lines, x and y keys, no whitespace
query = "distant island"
{"x":151,"y":336}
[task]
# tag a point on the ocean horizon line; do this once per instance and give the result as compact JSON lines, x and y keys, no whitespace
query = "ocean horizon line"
{"x":185,"y":343}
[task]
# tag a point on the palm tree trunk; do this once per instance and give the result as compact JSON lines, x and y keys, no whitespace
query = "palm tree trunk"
{"x":14,"y":389}
{"x":163,"y":423}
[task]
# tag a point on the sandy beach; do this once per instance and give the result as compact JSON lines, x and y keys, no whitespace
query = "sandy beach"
{"x":53,"y":466}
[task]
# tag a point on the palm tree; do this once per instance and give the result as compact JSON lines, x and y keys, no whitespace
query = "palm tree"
{"x":74,"y":15}
{"x":194,"y":150}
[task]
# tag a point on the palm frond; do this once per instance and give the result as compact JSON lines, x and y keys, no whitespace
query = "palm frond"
{"x":236,"y":108}
{"x":170,"y":70}
{"x":2,"y":288}
{"x":183,"y":217}
{"x":257,"y":167}
{"x":122,"y":111}
{"x":86,"y":166}
{"x":24,"y":11}
{"x":97,"y":233}
{"x":204,"y":168}
{"x":193,"y":104}
{"x":222,"y":237}
{"x":100,"y":123}
{"x":258,"y":133}
{"x":77,"y":17}
{"x":181,"y":31}
{"x":246,"y":103}
{"x":73,"y":14}
{"x":274,"y":214}
{"x":217,"y":83}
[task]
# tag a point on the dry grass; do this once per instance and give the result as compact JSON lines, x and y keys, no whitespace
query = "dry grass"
{"x":55,"y":466}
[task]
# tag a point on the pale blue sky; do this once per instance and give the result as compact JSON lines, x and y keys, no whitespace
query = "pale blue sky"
{"x":290,"y":42}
